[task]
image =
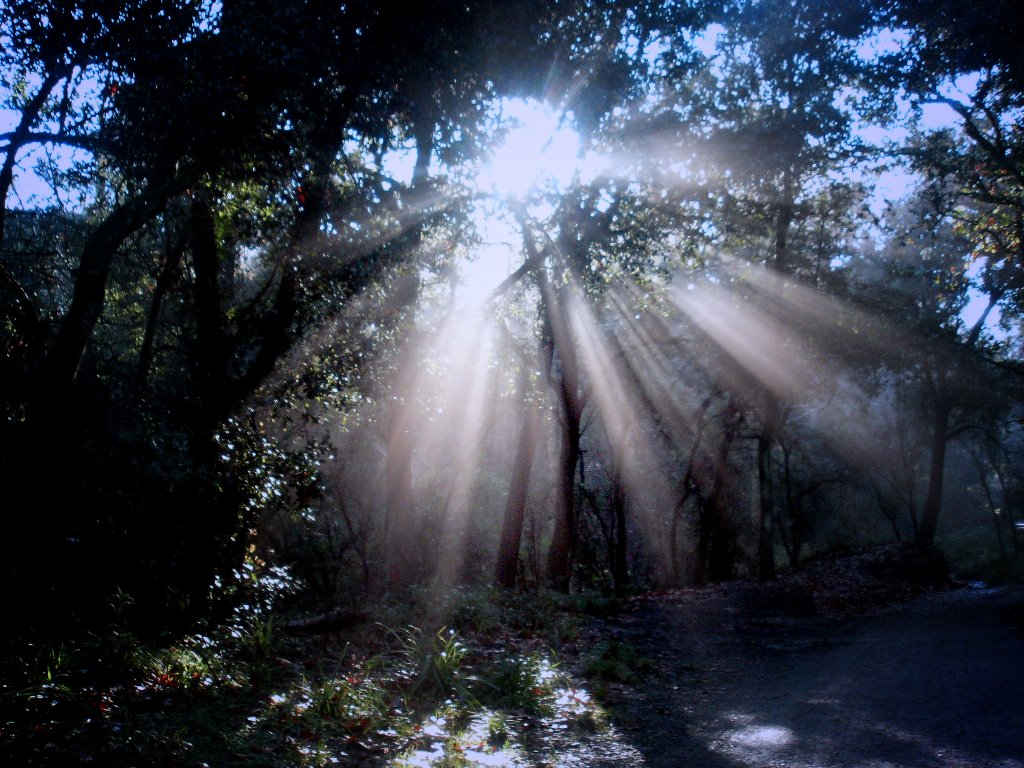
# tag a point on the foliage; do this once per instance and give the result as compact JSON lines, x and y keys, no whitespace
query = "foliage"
{"x":617,"y":661}
{"x":250,"y":693}
{"x":237,"y":374}
{"x":430,"y":666}
{"x":524,"y":683}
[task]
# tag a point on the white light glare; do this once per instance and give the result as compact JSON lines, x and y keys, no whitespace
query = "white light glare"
{"x":538,"y":151}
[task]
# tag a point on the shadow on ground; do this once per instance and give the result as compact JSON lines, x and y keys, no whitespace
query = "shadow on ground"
{"x":936,"y":682}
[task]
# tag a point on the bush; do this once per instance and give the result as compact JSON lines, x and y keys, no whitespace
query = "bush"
{"x":617,"y":661}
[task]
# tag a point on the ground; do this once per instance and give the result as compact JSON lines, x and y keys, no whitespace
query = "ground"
{"x":866,"y":661}
{"x":738,"y":681}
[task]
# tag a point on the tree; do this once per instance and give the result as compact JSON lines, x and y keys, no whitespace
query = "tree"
{"x":254,"y":133}
{"x":505,"y":568}
{"x":770,"y":127}
{"x":927,"y":287}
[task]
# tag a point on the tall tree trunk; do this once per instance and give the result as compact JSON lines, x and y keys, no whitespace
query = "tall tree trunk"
{"x":783,"y":220}
{"x":937,"y":470}
{"x":571,"y":412}
{"x":515,"y":503}
{"x":798,"y":520}
{"x":766,"y":440}
{"x":940,"y":431}
{"x":717,"y":551}
{"x":404,"y":551}
{"x":765,"y":542}
{"x":620,"y":565}
{"x":211,"y":370}
{"x":1011,"y":521}
{"x":690,"y":488}
{"x":673,"y":540}
{"x":992,"y":507}
{"x":705,"y":522}
{"x":562,"y":540}
{"x":164,"y":281}
{"x":889,"y":508}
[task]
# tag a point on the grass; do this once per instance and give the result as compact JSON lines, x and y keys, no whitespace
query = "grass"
{"x":617,"y":661}
{"x":248,"y":693}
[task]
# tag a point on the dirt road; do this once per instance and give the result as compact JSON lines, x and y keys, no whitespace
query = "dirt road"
{"x":936,"y":682}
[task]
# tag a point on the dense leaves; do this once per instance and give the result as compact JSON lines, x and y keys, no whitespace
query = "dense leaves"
{"x":222,"y":327}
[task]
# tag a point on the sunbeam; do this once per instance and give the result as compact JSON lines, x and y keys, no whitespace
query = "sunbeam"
{"x":634,"y":462}
{"x":467,"y":390}
{"x":415,"y":356}
{"x":756,"y":342}
{"x":481,"y":274}
{"x":539,"y":150}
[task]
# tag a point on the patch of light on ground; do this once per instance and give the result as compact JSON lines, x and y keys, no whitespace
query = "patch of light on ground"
{"x":440,"y":743}
{"x":762,"y":736}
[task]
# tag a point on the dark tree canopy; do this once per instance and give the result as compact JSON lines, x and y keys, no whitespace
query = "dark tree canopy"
{"x":233,"y":325}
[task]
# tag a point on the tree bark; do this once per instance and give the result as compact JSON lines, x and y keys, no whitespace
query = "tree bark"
{"x":403,"y":557}
{"x":404,"y":552}
{"x":690,"y":488}
{"x":944,"y":402}
{"x":210,"y":351}
{"x":992,"y":507}
{"x":515,"y":504}
{"x":571,"y":403}
{"x":716,"y":545}
{"x":765,"y":543}
{"x":936,"y":476}
{"x":620,"y":565}
{"x":88,"y":296}
{"x":172,"y":260}
{"x":783,"y":220}
{"x":798,"y":520}
{"x":562,"y":539}
{"x":1007,"y":506}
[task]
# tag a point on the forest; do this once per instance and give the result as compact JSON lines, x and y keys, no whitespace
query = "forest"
{"x":341,"y":339}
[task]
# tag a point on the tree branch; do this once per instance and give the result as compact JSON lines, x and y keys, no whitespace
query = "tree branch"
{"x":65,"y":139}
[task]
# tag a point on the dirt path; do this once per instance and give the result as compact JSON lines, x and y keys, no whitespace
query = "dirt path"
{"x":936,"y":682}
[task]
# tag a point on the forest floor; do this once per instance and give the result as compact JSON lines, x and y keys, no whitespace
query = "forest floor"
{"x":871,"y":660}
{"x":749,"y":675}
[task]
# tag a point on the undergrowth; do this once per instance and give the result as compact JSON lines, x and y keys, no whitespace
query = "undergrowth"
{"x":465,"y":686}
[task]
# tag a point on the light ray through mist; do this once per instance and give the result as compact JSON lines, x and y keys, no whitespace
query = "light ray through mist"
{"x":752,"y":339}
{"x":726,"y":345}
{"x":632,"y":452}
{"x":840,"y":326}
{"x":468,"y":392}
{"x":659,"y":381}
{"x":800,"y":344}
{"x":366,"y":235}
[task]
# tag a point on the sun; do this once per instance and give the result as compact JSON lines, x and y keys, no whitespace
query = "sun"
{"x":539,"y":151}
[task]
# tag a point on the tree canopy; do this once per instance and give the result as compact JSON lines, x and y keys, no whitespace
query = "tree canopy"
{"x":237,"y":240}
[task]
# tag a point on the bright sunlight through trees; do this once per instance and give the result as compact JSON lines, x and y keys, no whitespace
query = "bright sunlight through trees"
{"x":538,"y":150}
{"x":392,"y":383}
